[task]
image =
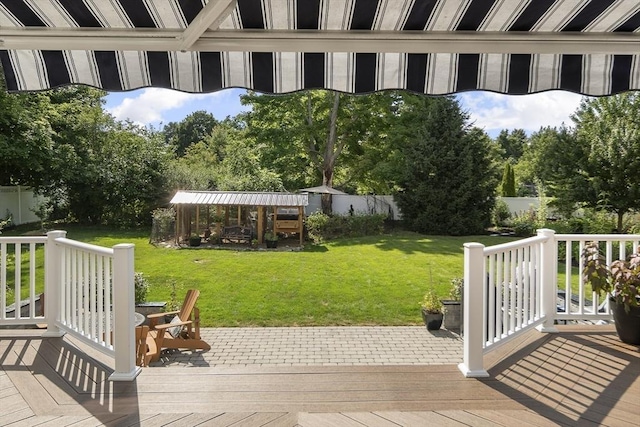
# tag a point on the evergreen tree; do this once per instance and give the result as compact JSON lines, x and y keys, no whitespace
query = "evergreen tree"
{"x":448,"y":182}
{"x":508,"y":185}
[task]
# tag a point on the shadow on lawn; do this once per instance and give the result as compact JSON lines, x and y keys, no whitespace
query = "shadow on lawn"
{"x":411,"y":243}
{"x":408,"y":243}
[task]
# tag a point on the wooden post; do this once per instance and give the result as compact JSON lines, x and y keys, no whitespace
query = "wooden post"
{"x":473,"y":352}
{"x":300,"y":223}
{"x":548,"y":267}
{"x":218,"y":225}
{"x":197,"y":207}
{"x":260,"y":223}
{"x":123,"y":314}
{"x":178,"y":223}
{"x":52,"y":266}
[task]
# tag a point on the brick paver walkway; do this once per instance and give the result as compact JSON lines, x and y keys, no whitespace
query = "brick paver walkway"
{"x":301,"y":346}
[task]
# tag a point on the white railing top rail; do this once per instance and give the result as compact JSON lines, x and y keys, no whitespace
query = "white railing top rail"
{"x":86,"y":247}
{"x":23,"y":239}
{"x":517,"y":244}
{"x":598,"y":237}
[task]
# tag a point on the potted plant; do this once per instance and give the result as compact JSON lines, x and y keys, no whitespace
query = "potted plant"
{"x":194,"y":240}
{"x":271,"y":239}
{"x":620,"y":282}
{"x":453,"y":305}
{"x":431,"y":310}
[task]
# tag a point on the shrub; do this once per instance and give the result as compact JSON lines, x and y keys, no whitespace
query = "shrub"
{"x":457,"y":287}
{"x":141,"y":286}
{"x":316,"y":224}
{"x":500,"y":213}
{"x":322,"y":227}
{"x":431,"y":303}
{"x":525,"y":224}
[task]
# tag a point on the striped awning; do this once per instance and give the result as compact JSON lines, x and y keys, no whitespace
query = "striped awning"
{"x":239,"y":198}
{"x":276,"y":46}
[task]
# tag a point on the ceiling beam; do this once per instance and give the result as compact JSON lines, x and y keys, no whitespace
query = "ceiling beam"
{"x":209,"y":18}
{"x":322,"y":41}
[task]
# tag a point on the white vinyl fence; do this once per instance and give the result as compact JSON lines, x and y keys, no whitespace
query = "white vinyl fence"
{"x":369,"y":204}
{"x":18,"y":202}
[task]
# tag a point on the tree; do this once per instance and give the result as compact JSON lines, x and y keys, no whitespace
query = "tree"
{"x":101,"y":171}
{"x":513,"y":143}
{"x":448,"y":182}
{"x":609,"y":129}
{"x":316,"y":136}
{"x":192,"y":129}
{"x":508,"y":185}
{"x":25,"y":138}
{"x":553,"y":159}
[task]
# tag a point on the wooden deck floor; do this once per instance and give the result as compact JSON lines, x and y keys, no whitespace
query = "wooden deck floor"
{"x":581,"y":376}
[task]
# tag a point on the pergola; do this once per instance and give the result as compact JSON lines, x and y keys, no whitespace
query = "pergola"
{"x":186,"y":201}
{"x":357,"y":46}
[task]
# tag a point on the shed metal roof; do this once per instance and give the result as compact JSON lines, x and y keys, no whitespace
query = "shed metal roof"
{"x":236,"y":198}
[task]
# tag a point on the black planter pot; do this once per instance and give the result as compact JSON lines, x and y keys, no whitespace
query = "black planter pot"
{"x":627,"y":324}
{"x":432,"y":321}
{"x":194,"y":241}
{"x":271,"y":244}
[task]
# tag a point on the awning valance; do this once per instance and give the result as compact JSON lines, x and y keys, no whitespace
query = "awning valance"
{"x":357,"y":46}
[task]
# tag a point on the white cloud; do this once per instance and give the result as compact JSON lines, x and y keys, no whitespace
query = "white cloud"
{"x":494,"y":112}
{"x":150,"y":106}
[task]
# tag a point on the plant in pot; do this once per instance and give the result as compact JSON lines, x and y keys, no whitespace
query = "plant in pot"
{"x":271,"y":239}
{"x":194,"y":240}
{"x":619,"y":282}
{"x":453,"y":305}
{"x":431,"y":310}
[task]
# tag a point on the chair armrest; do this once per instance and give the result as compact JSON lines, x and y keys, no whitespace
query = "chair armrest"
{"x":157,"y":315}
{"x":171,"y":325}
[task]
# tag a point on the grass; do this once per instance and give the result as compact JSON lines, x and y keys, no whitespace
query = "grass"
{"x":376,"y":280}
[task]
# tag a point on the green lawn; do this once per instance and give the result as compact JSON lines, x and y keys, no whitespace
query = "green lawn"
{"x":375,"y":280}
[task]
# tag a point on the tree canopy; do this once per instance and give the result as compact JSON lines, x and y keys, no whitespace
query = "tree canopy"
{"x":447,"y":182}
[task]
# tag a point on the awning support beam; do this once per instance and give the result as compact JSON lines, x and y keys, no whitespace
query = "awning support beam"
{"x":317,"y":41}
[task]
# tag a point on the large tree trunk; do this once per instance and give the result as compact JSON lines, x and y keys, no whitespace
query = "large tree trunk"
{"x":327,"y":199}
{"x":620,"y":216}
{"x":332,"y":150}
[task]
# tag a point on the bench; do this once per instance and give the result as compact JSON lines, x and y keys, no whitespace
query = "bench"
{"x":235,"y":234}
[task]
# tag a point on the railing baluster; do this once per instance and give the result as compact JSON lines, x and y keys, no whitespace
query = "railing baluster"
{"x":526,"y":312}
{"x":3,"y":280}
{"x":18,"y":279}
{"x":490,"y":290}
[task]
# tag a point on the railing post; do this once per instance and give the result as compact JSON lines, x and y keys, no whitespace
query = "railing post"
{"x":123,"y":317}
{"x":52,"y":285}
{"x":548,"y":269}
{"x":473,"y":306}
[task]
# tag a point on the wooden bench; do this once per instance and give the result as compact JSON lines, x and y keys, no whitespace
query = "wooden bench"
{"x":235,"y":234}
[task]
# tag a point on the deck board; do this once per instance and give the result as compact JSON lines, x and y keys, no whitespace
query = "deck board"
{"x":580,"y":376}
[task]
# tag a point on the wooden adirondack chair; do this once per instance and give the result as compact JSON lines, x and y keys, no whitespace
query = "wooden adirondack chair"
{"x":184,"y":329}
{"x":146,"y":348}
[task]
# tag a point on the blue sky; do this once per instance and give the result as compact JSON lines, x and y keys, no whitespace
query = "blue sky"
{"x":489,"y":111}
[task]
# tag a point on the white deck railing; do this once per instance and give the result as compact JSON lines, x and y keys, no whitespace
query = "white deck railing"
{"x":89,"y":293}
{"x":513,"y":287}
{"x":22,"y":255}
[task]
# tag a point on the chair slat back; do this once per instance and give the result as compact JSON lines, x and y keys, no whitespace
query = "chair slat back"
{"x":189,"y":303}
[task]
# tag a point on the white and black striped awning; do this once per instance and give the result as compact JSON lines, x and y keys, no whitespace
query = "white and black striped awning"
{"x":428,"y":46}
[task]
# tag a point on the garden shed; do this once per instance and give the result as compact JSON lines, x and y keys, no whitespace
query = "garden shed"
{"x":217,"y":212}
